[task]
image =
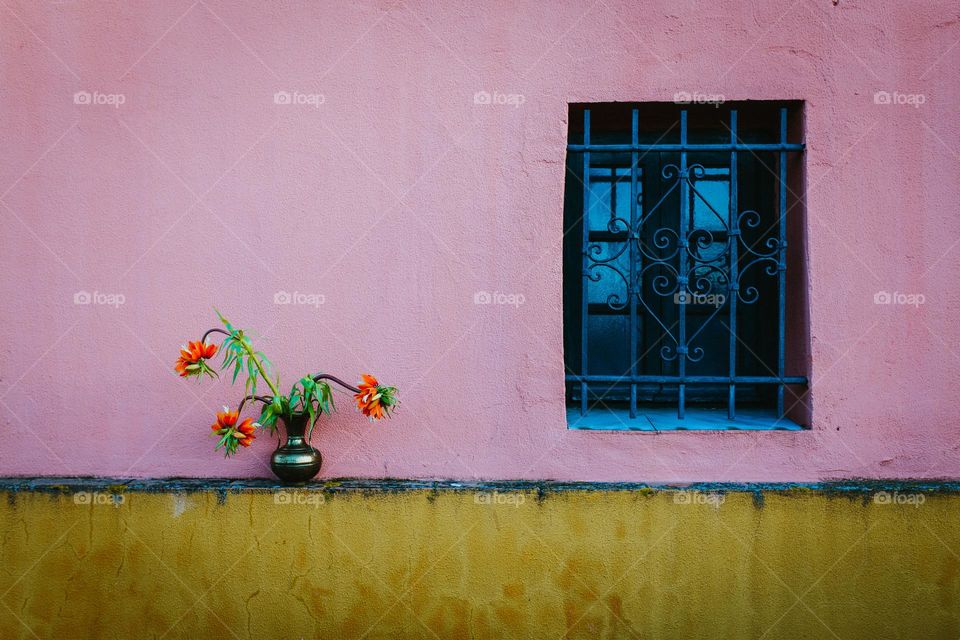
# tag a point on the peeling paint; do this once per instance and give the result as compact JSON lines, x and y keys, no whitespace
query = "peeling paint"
{"x":180,"y":504}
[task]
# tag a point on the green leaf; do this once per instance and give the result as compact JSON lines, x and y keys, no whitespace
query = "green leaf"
{"x":327,"y":395}
{"x":225,"y":322}
{"x":267,"y":365}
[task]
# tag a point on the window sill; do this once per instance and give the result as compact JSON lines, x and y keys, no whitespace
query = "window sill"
{"x":657,"y":419}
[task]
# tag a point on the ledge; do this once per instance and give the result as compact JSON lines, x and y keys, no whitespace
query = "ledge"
{"x":67,"y":485}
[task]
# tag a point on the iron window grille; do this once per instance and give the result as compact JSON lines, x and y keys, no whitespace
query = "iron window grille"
{"x":675,"y":261}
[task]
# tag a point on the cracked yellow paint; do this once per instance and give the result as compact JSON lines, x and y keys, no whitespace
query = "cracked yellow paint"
{"x":467,"y":564}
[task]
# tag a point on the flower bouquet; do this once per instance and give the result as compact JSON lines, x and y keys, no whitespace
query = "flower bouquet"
{"x":295,"y":461}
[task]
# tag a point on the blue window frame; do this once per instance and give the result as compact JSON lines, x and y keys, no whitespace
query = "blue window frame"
{"x":675,"y":266}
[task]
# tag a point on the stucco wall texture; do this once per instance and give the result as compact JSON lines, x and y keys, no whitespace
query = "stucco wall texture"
{"x":147,"y":162}
{"x":469,"y":564}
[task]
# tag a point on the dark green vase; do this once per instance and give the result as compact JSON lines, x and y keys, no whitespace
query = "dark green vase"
{"x":295,"y":461}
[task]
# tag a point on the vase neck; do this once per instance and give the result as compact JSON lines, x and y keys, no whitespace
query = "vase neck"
{"x":295,"y":426}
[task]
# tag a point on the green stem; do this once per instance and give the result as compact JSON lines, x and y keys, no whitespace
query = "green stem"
{"x":256,"y":361}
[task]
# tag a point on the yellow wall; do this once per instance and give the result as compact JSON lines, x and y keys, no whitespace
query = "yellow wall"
{"x":462,"y":564}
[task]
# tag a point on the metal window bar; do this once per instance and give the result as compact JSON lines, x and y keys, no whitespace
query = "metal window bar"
{"x":681,"y":349}
{"x":686,"y":175}
{"x":585,"y":299}
{"x":782,"y":262}
{"x":733,"y":229}
{"x":633,"y":237}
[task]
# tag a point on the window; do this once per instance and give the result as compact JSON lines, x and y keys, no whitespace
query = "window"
{"x":677,"y":297}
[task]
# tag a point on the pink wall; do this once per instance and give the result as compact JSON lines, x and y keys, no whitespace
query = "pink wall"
{"x":398,"y":198}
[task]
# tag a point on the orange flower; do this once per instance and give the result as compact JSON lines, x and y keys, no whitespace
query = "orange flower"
{"x":192,"y":359}
{"x":374,"y":400}
{"x":244,"y":432}
{"x":233,"y":434}
{"x":225,"y":421}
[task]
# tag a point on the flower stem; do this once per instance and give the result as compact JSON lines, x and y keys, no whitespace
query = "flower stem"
{"x":256,"y":361}
{"x":323,"y":376}
{"x":203,"y":340}
{"x":263,"y":399}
